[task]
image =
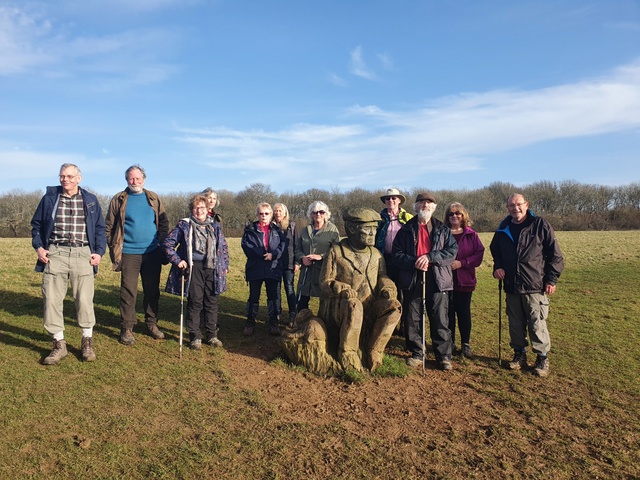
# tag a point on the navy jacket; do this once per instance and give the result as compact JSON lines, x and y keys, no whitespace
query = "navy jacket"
{"x":45,"y":216}
{"x":257,"y":268}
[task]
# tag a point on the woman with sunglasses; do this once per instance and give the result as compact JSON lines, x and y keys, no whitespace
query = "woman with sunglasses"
{"x":263,"y":243}
{"x":470,"y":253}
{"x":313,"y":245}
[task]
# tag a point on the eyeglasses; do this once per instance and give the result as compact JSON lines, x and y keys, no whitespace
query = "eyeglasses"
{"x":319,"y":212}
{"x":514,"y":205}
{"x":386,"y":199}
{"x":451,"y":214}
{"x":67,"y":177}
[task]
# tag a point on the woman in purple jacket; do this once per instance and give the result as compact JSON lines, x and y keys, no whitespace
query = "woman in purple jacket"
{"x":470,"y":253}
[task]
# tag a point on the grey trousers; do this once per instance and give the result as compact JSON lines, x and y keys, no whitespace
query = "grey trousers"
{"x":528,"y":314}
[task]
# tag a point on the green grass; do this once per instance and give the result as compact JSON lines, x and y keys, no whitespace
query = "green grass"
{"x":142,"y":412}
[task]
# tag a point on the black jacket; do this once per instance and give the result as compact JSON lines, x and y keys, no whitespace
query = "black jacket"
{"x":443,"y":252}
{"x":257,"y":268}
{"x":536,"y":260}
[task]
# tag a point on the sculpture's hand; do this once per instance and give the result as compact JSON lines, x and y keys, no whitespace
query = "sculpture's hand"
{"x":348,"y":293}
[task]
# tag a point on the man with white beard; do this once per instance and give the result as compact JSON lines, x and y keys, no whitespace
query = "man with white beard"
{"x":424,"y":248}
{"x":137,"y":224}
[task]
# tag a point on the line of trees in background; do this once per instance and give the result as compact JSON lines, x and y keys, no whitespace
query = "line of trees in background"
{"x":568,"y":205}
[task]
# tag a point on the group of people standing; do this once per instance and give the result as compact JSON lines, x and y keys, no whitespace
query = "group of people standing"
{"x":432,"y":263}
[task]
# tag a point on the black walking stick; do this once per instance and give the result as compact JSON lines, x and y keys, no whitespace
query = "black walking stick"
{"x":500,"y":323}
{"x":424,"y":319}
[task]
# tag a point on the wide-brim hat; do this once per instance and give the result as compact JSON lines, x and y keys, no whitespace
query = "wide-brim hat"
{"x":421,"y":197}
{"x":394,"y":192}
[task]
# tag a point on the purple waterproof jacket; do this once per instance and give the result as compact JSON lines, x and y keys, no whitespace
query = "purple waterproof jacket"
{"x":470,"y":253}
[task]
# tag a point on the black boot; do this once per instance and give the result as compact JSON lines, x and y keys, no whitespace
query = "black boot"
{"x":272,"y":307}
{"x":252,"y":313}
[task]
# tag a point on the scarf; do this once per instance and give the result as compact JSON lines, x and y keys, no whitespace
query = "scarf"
{"x":204,"y":240}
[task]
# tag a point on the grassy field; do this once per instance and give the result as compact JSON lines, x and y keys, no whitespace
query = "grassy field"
{"x":240,"y":412}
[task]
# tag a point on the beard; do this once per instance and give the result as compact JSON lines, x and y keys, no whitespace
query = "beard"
{"x":136,"y":189}
{"x":424,"y":214}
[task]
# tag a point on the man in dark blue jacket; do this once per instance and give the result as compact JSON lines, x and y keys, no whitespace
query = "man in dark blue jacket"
{"x":424,"y":249}
{"x":528,"y":259}
{"x":68,"y":234}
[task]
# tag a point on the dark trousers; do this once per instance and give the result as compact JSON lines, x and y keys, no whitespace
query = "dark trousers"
{"x":148,"y":266}
{"x":271,"y":286}
{"x":289,"y":290}
{"x":202,"y":302}
{"x":437,"y":313}
{"x":460,"y":306}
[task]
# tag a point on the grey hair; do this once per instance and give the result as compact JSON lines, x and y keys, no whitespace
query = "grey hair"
{"x":315,"y":206}
{"x":135,"y":167}
{"x":208,"y":191}
{"x":70,"y":165}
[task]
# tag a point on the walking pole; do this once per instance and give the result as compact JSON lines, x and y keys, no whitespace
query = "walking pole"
{"x":181,"y":313}
{"x":301,"y":285}
{"x":424,"y":316}
{"x":500,"y":323}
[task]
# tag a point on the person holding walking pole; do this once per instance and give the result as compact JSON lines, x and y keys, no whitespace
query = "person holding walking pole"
{"x":313,"y":244}
{"x":199,"y":256}
{"x":425,"y":245}
{"x":528,"y":260}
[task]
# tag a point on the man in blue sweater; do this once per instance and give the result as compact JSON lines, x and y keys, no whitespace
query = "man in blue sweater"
{"x":136,"y":226}
{"x":68,"y":234}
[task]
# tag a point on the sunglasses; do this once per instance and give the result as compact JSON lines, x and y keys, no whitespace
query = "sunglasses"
{"x":319,"y":212}
{"x":386,"y":199}
{"x":451,"y":214}
{"x":264,"y":213}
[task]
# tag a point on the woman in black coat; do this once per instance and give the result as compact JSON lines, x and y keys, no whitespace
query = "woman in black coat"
{"x":264,"y":244}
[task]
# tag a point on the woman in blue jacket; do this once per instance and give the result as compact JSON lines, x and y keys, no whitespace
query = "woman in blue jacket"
{"x":264,"y":243}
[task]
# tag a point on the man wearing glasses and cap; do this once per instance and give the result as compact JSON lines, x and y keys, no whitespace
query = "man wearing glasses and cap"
{"x":424,"y":250}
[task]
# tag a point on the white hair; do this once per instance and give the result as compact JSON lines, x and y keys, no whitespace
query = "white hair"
{"x":315,"y":206}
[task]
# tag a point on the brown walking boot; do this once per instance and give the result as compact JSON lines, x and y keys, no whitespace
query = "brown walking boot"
{"x":88,"y":355}
{"x":58,"y":353}
{"x":126,"y":336}
{"x":155,"y":332}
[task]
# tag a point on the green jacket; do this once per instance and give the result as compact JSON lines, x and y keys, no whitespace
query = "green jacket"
{"x":308,"y":243}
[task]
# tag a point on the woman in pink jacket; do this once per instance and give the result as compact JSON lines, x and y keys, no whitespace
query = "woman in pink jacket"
{"x":470,"y":253}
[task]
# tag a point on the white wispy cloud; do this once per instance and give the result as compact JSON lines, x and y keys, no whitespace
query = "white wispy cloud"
{"x":450,"y":134}
{"x":358,"y":66}
{"x":32,"y":44}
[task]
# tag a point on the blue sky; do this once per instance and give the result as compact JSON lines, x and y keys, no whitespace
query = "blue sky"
{"x":320,"y":94}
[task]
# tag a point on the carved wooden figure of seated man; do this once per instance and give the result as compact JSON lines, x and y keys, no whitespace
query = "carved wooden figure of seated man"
{"x":358,"y":302}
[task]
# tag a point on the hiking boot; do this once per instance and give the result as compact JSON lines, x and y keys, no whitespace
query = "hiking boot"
{"x":466,"y":351}
{"x":155,"y":332}
{"x":58,"y":353}
{"x":196,"y":344}
{"x":126,"y":336}
{"x":88,"y":355}
{"x":214,"y":342}
{"x":519,"y":361}
{"x":274,"y":330}
{"x":445,"y":364}
{"x":542,"y":366}
{"x":414,"y":362}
